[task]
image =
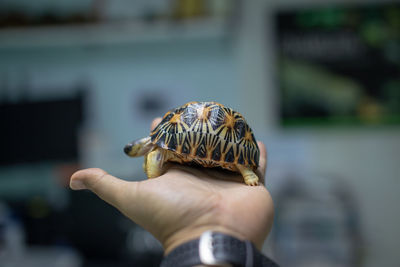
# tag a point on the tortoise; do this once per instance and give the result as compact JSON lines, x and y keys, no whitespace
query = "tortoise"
{"x":201,"y":133}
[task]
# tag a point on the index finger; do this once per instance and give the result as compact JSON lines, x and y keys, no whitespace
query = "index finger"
{"x":263,"y":161}
{"x":154,"y":123}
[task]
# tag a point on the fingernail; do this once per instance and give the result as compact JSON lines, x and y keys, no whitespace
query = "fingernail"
{"x":77,"y":184}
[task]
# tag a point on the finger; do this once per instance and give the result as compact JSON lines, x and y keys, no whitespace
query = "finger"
{"x":107,"y":187}
{"x":155,"y":122}
{"x":263,"y":159}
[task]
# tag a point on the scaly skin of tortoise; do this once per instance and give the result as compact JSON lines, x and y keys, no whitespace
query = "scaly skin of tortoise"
{"x":205,"y":133}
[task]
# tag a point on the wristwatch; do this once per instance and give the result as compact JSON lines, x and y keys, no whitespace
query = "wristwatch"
{"x":217,"y":249}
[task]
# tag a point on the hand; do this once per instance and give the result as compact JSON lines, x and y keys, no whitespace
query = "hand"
{"x":184,"y":202}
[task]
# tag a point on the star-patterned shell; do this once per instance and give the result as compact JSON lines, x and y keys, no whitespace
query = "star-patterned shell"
{"x":208,"y":134}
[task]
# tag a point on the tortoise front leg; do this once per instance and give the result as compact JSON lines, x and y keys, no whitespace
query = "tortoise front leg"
{"x":154,"y":163}
{"x":250,"y":178}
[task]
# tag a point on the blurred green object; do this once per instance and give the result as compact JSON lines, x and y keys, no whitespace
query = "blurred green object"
{"x":340,"y":65}
{"x":306,"y":84}
{"x":375,"y":33}
{"x":391,"y":91}
{"x":328,"y":18}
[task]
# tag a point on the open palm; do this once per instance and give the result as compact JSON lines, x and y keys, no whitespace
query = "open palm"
{"x":186,"y":201}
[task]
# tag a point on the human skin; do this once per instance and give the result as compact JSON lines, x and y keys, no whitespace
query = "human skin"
{"x":184,"y":202}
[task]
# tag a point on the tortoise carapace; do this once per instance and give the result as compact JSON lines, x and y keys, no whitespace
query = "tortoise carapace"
{"x":205,"y":133}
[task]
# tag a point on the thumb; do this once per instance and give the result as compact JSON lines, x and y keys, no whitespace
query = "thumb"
{"x":109,"y":188}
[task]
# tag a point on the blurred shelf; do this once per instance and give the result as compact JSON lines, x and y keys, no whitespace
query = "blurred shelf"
{"x":114,"y":33}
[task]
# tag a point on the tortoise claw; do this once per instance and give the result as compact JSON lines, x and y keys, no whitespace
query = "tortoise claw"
{"x":250,"y":178}
{"x":251,"y":181}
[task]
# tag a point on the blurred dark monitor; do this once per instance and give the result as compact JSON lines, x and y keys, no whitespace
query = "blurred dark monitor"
{"x":40,"y":131}
{"x":339,"y":64}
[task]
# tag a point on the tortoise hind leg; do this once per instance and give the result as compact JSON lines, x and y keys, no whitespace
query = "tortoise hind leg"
{"x":250,"y":178}
{"x":154,"y":163}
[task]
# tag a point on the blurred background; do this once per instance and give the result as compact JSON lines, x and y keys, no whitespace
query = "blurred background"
{"x":319,"y":83}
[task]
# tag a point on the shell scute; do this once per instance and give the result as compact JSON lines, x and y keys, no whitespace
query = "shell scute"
{"x":216,"y":154}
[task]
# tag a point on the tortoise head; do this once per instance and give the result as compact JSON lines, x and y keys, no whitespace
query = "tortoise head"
{"x":139,"y":147}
